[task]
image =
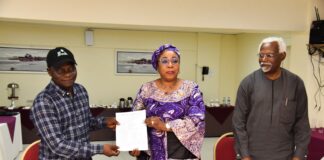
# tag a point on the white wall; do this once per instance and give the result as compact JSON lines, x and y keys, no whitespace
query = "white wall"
{"x":203,"y":15}
{"x":209,"y":46}
{"x":96,"y":64}
{"x":228,"y":67}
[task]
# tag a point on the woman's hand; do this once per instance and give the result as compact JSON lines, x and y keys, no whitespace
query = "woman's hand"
{"x":156,"y":123}
{"x":111,"y":122}
{"x":135,"y":152}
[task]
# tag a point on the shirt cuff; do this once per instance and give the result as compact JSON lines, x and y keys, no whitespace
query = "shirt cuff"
{"x":102,"y":121}
{"x":96,"y":149}
{"x":244,"y":153}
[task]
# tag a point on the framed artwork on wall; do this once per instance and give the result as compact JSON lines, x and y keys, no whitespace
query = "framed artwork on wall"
{"x":134,"y":62}
{"x":14,"y":59}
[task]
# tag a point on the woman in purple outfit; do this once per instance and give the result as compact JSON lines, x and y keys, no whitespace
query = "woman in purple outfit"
{"x":175,"y":111}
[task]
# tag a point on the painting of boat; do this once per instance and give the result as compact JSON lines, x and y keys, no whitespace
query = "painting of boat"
{"x":23,"y":59}
{"x":134,"y":62}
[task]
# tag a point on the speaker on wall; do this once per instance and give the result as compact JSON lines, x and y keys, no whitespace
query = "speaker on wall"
{"x":88,"y":37}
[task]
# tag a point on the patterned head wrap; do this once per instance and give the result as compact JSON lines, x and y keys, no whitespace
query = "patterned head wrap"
{"x":162,"y":48}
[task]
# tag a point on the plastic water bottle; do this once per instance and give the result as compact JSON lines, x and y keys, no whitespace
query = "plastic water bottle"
{"x":224,"y":101}
{"x":228,"y":101}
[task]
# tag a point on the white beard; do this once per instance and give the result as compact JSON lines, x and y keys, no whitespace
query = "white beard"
{"x":266,"y":67}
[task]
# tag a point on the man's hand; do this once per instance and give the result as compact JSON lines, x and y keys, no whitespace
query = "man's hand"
{"x":247,"y":158}
{"x":296,"y":158}
{"x":110,"y":150}
{"x":111,"y":122}
{"x":135,"y":152}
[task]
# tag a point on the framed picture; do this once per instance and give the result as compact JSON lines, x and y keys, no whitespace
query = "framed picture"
{"x":134,"y":62}
{"x":13,"y":59}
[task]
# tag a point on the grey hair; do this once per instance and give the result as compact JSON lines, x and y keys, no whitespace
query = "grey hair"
{"x":281,"y":43}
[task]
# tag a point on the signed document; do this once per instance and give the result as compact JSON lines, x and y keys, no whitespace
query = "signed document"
{"x":131,"y":133}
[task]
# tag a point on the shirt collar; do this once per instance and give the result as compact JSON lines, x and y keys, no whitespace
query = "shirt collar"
{"x":60,"y":90}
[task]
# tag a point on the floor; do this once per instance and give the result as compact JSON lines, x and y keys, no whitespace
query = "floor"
{"x":207,"y":151}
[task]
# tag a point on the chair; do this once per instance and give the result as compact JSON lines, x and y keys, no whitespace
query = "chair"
{"x":224,"y":147}
{"x":31,"y":152}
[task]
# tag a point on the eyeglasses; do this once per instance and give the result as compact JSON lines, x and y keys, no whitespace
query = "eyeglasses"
{"x":268,"y":56}
{"x":165,"y":61}
{"x":62,"y":71}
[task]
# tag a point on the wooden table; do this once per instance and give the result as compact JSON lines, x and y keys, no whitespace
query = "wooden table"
{"x":218,"y":122}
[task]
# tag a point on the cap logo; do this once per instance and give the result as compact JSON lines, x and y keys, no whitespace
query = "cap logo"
{"x":61,"y":53}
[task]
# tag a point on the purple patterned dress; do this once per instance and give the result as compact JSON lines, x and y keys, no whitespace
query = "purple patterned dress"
{"x":183,"y":109}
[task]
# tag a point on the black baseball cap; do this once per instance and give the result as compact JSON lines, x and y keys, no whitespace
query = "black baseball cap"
{"x":58,"y":56}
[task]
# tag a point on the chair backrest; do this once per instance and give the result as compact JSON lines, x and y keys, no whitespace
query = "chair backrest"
{"x":31,"y":152}
{"x":224,"y":147}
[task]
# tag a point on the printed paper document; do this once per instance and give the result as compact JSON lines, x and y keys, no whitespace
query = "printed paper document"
{"x":131,"y":133}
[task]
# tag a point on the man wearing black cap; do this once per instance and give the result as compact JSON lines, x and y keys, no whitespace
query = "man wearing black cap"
{"x":62,"y":115}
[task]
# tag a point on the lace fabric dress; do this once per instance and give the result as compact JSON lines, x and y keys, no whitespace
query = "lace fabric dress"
{"x":183,"y":109}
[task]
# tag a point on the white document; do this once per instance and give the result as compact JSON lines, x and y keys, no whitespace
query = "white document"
{"x":131,"y":133}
